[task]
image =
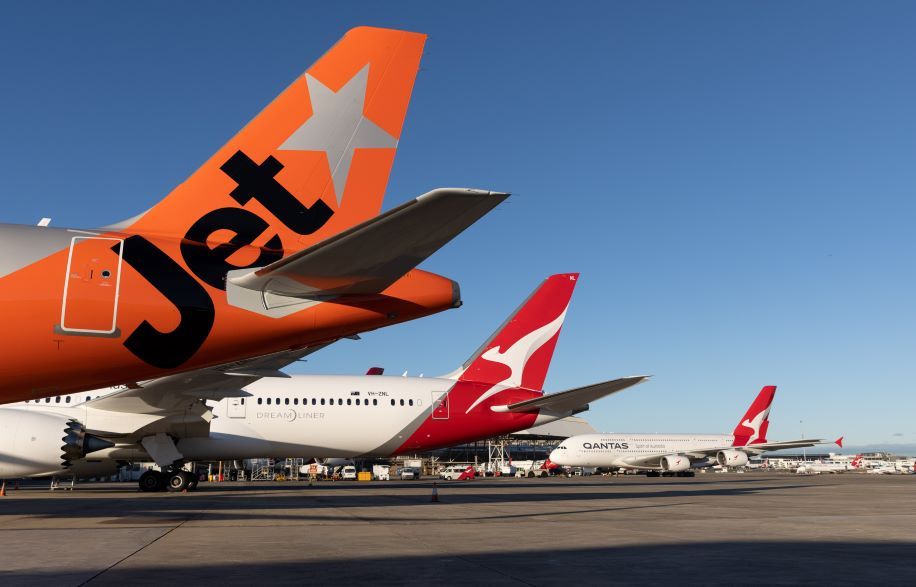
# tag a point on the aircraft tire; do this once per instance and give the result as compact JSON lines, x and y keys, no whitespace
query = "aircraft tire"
{"x":151,"y":481}
{"x":179,"y":481}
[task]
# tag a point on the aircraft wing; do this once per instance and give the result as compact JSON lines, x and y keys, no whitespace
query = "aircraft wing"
{"x":173,"y":394}
{"x":651,"y":460}
{"x":573,"y":400}
{"x":779,"y":445}
{"x":368,"y":258}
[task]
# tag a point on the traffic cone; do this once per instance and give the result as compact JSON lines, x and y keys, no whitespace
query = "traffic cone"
{"x":435,"y":498}
{"x":3,"y":489}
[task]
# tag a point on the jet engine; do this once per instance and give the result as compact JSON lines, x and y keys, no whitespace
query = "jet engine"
{"x":675,"y":463}
{"x":731,"y":458}
{"x":40,"y":443}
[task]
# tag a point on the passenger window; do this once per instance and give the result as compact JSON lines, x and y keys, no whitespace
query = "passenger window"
{"x":268,"y":401}
{"x":243,"y":401}
{"x":295,"y":401}
{"x":375,"y":402}
{"x":314,"y":401}
{"x":348,"y":401}
{"x":57,"y":400}
{"x":68,"y":399}
{"x":322,"y":401}
{"x":402,"y":402}
{"x":286,"y":401}
{"x":259,"y":401}
{"x":410,"y":402}
{"x":392,"y":402}
{"x":339,"y":401}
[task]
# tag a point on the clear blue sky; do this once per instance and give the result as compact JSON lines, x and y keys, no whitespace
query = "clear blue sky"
{"x":735,"y":181}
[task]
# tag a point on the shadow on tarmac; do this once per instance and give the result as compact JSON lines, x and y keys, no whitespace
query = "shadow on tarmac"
{"x":228,"y":502}
{"x":700,"y":563}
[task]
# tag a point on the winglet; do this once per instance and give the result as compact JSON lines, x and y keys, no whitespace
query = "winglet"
{"x":839,"y":442}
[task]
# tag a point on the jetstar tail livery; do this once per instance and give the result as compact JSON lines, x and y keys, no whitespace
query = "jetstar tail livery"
{"x":496,"y":392}
{"x":273,"y":244}
{"x":676,"y":453}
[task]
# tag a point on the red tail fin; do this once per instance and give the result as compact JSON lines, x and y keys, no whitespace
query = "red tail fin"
{"x":518,"y":354}
{"x":752,"y":428}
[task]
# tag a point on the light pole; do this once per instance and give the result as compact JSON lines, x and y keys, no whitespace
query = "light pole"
{"x":801,"y":424}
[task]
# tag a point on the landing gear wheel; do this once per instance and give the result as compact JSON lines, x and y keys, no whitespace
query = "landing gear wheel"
{"x":179,"y":481}
{"x":152,"y":481}
{"x":194,"y":481}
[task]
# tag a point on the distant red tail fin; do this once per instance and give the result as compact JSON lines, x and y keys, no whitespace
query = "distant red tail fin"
{"x":752,"y":428}
{"x":518,"y":354}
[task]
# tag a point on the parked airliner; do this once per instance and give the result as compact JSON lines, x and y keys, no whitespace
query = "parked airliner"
{"x":253,"y":412}
{"x":677,"y":453}
{"x":273,"y":244}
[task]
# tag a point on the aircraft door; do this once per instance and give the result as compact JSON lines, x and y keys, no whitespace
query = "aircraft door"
{"x":440,"y":406}
{"x":236,"y":407}
{"x":92,"y":285}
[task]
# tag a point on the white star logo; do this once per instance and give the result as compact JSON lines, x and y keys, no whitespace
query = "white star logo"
{"x":337,"y":127}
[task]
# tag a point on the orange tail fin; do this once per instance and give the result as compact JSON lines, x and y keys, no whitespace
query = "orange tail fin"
{"x":314,"y":162}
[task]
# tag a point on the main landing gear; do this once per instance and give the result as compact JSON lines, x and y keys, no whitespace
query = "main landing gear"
{"x":172,"y":479}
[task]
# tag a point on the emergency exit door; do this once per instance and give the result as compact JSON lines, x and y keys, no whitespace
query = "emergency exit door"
{"x":236,"y":407}
{"x":91,"y":286}
{"x":440,"y":405}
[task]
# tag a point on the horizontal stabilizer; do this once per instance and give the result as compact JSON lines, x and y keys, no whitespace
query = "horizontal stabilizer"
{"x":784,"y":444}
{"x":573,"y":400}
{"x":257,"y":373}
{"x":368,"y":258}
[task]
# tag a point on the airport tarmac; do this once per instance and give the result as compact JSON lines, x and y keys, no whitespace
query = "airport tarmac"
{"x":756,"y":528}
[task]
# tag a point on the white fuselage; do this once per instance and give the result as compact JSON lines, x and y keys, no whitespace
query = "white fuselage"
{"x":302,"y":416}
{"x":826,"y":466}
{"x":625,"y":450}
{"x":336,"y":416}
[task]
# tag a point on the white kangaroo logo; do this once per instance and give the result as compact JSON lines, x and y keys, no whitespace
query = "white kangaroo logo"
{"x":755,"y":424}
{"x":516,"y":356}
